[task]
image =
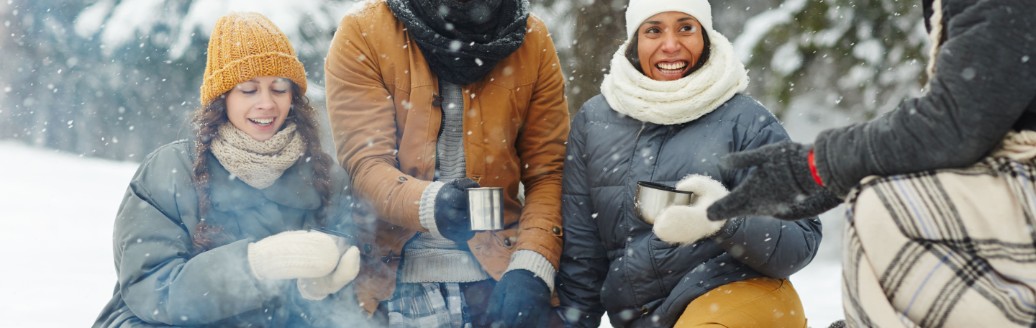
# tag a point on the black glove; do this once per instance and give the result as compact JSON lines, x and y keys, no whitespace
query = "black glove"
{"x":781,"y":185}
{"x":520,"y":299}
{"x":451,"y":210}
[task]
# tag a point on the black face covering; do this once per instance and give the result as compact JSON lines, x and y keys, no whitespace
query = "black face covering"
{"x":463,"y":40}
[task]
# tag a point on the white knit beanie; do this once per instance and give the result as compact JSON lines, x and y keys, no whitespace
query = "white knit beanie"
{"x":640,"y":10}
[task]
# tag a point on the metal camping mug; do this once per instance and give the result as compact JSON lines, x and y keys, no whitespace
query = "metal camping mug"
{"x":653,"y":197}
{"x":486,"y":206}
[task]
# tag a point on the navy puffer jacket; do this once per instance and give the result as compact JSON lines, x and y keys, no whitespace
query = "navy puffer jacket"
{"x":613,"y":262}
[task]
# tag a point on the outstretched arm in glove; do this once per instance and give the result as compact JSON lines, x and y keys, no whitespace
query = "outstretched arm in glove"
{"x":783,"y":183}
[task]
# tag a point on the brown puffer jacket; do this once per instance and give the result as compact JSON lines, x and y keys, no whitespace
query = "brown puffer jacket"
{"x":379,"y":96}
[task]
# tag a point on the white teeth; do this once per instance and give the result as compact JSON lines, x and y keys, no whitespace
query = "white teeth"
{"x":672,"y":66}
{"x":262,"y":121}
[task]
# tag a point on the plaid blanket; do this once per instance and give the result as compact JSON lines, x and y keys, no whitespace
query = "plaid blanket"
{"x":418,"y":305}
{"x":944,"y":248}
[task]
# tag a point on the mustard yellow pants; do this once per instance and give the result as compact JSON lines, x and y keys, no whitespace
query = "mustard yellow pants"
{"x":757,"y":302}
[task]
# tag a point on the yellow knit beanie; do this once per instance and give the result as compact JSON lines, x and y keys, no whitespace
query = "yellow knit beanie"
{"x":244,"y":46}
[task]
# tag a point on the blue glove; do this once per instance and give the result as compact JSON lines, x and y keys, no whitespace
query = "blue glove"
{"x":520,"y":299}
{"x":451,"y":210}
{"x":781,"y":185}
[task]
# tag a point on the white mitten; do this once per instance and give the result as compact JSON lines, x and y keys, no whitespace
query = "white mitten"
{"x":680,"y":224}
{"x":318,"y":288}
{"x":293,"y":254}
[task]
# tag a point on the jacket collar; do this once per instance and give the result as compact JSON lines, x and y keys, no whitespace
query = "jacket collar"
{"x":934,"y":18}
{"x":293,"y":189}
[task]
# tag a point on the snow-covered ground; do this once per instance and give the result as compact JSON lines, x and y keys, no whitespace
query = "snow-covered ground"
{"x":56,"y":266}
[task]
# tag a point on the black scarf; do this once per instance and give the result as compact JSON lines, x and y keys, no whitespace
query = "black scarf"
{"x":463,"y":40}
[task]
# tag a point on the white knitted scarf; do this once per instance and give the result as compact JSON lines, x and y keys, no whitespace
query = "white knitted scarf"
{"x":632,"y":93}
{"x":257,"y":163}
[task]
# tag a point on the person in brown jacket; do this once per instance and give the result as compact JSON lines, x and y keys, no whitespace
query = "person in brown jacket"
{"x":428,"y":98}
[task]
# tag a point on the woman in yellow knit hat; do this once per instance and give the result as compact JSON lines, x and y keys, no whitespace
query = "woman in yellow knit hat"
{"x":248,"y":224}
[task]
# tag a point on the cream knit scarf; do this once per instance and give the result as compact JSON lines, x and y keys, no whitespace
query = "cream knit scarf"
{"x":257,"y":163}
{"x":632,"y":93}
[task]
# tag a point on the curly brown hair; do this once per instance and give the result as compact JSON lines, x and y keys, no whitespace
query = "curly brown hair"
{"x":207,"y":120}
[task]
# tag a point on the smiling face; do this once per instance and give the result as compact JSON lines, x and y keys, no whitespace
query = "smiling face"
{"x":669,"y":45}
{"x":259,"y":106}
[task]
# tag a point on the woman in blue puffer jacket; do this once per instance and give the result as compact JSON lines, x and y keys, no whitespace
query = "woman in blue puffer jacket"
{"x":670,"y":108}
{"x":248,"y":224}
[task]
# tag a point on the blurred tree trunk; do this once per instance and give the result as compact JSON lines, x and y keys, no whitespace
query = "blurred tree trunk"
{"x":600,"y":27}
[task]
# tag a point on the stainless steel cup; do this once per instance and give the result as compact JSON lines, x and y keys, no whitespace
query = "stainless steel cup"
{"x":654,"y":197}
{"x":486,"y":206}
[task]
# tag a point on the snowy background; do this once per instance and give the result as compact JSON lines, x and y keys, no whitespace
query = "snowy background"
{"x":107,"y":81}
{"x":56,"y":241}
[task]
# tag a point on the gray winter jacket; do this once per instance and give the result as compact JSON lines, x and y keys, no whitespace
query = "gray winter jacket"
{"x":162,"y":283}
{"x":612,"y":261}
{"x":984,"y":85}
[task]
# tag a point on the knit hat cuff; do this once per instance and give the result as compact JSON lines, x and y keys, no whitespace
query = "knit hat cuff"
{"x":248,"y":67}
{"x":639,"y":11}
